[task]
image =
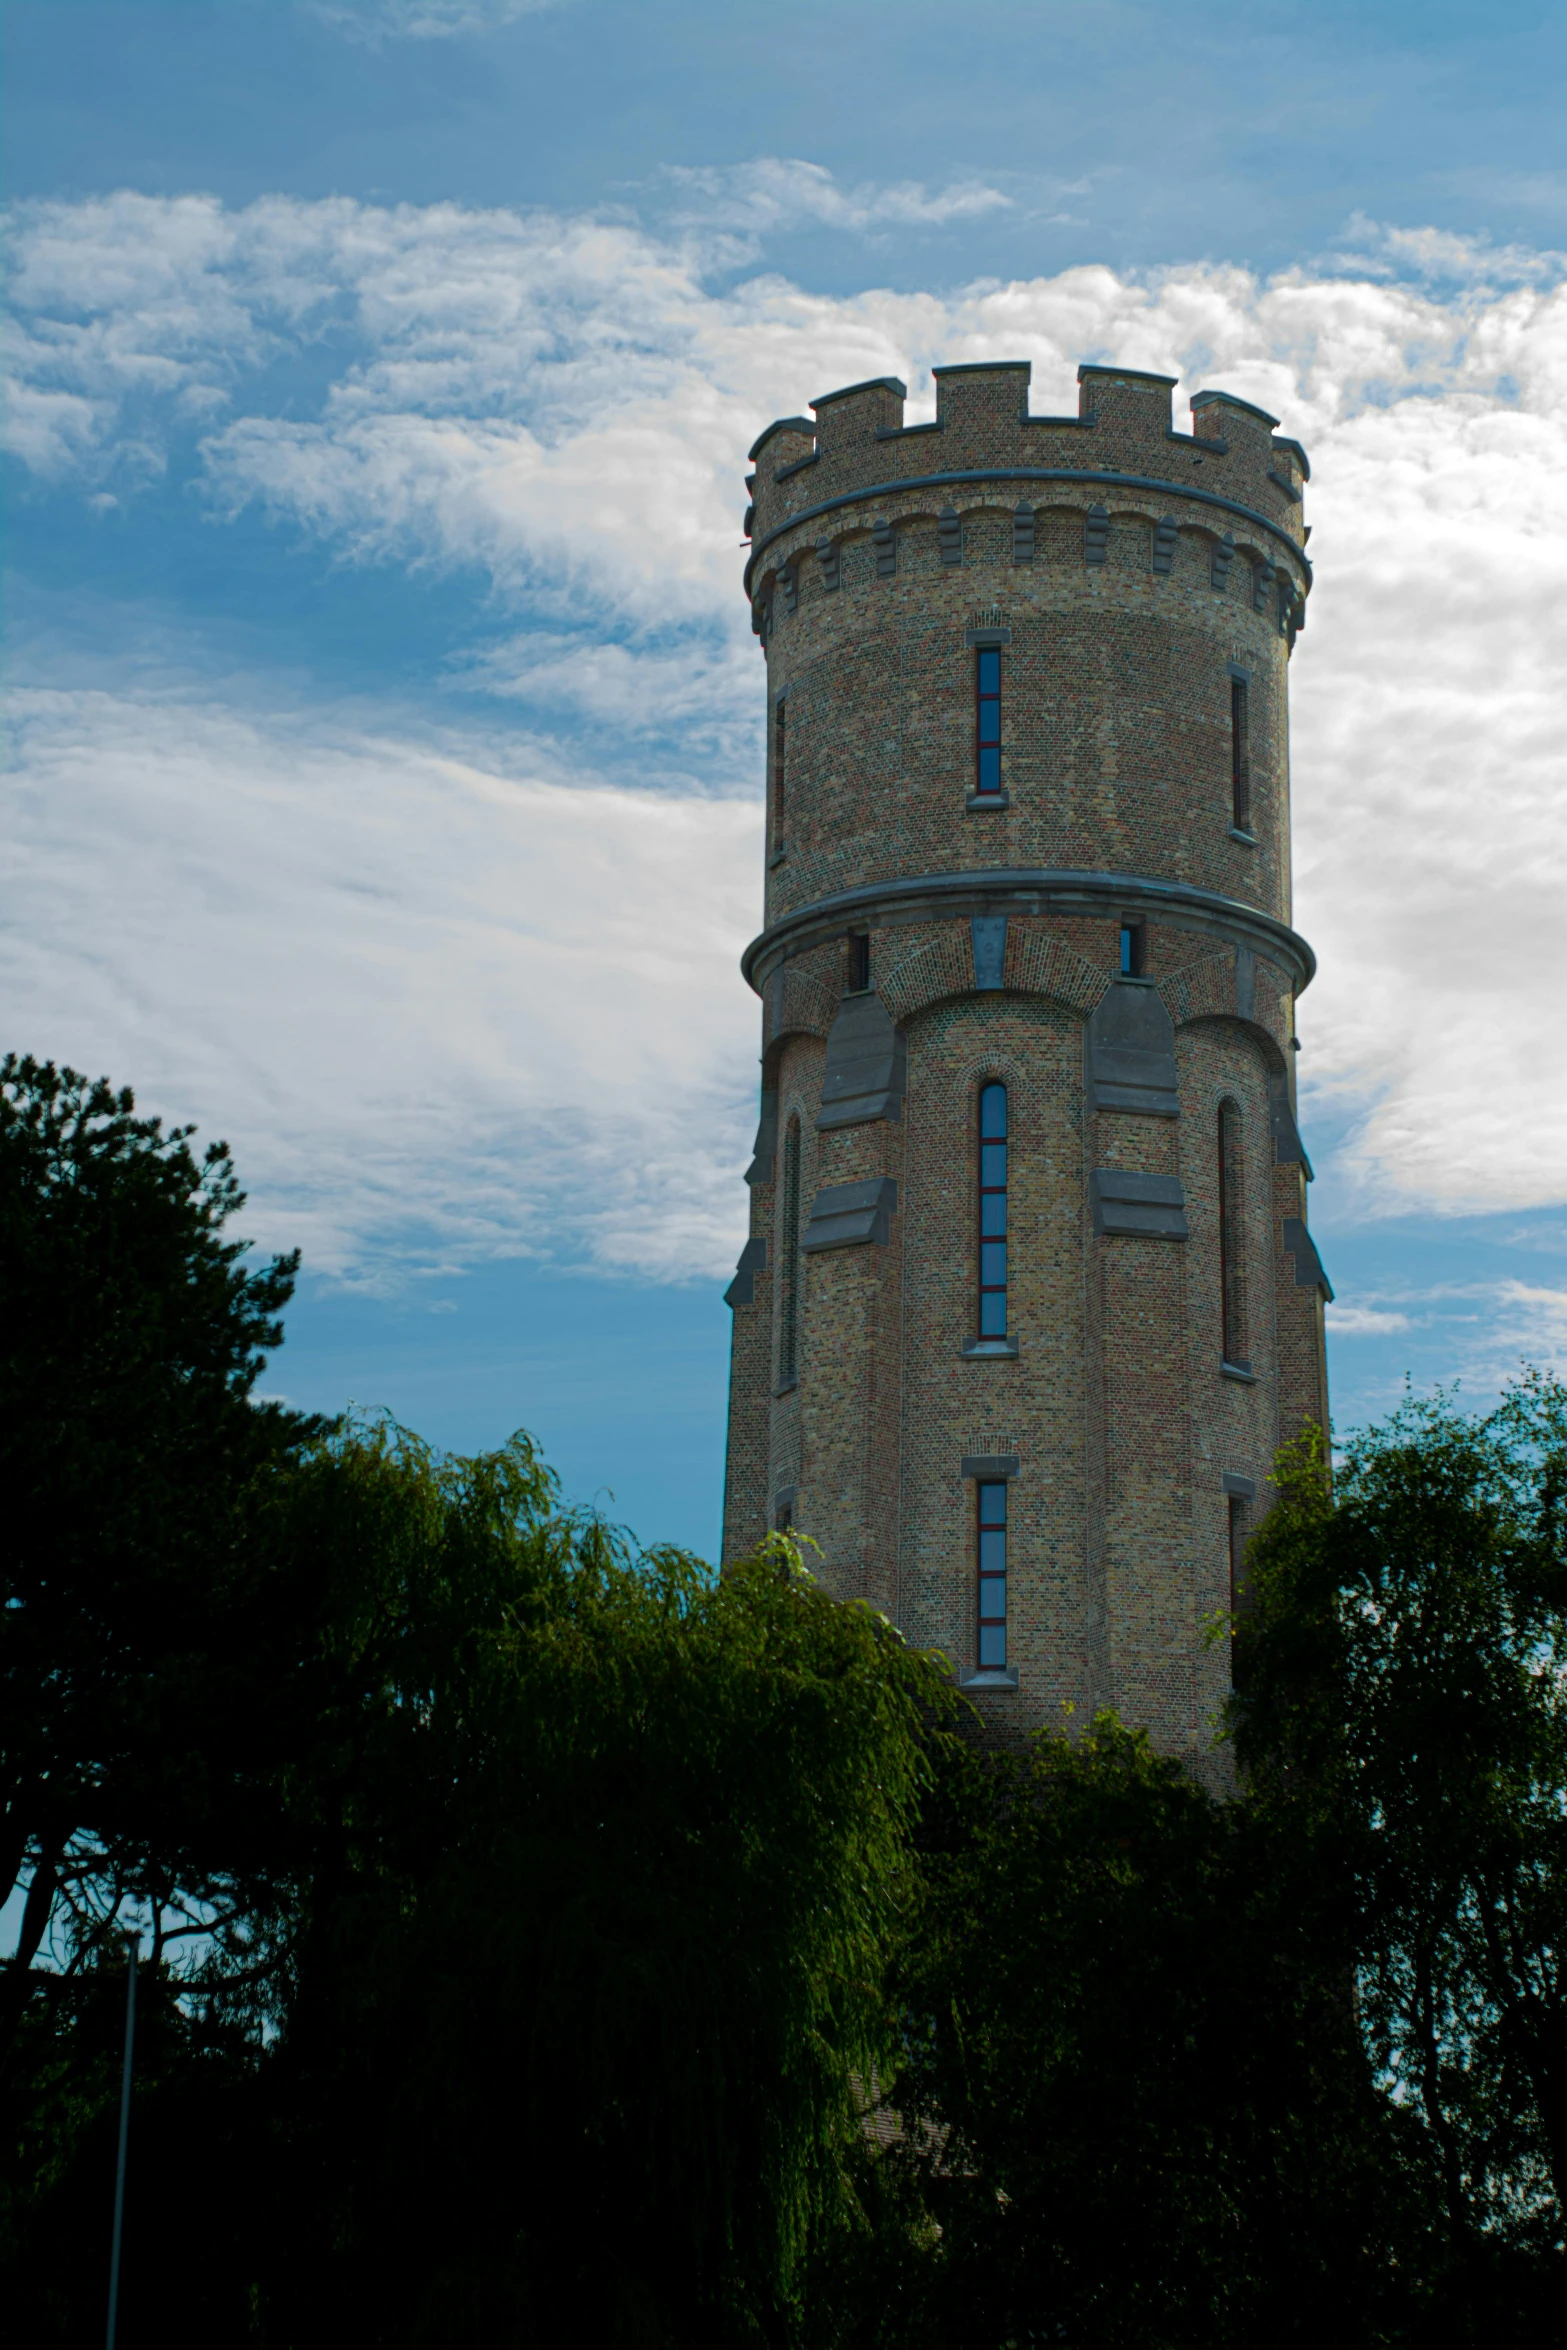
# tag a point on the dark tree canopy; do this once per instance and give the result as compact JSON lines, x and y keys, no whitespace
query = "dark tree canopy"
{"x":1404,"y":1704}
{"x":558,"y":1911}
{"x":141,"y":1654}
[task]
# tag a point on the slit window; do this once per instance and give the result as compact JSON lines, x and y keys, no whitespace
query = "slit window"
{"x":789,"y":1261}
{"x":987,"y":719}
{"x":1134,"y":952}
{"x":1240,"y":754}
{"x":992,"y":1549}
{"x":780,"y":765}
{"x":993,"y":1211}
{"x":1237,"y":1532}
{"x":859,"y":961}
{"x":1232,"y":1281}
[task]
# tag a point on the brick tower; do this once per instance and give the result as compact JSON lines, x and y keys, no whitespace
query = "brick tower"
{"x":1029,"y":1300}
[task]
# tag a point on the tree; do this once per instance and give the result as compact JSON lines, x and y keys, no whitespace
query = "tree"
{"x":146,"y":1660}
{"x":1133,"y":2106}
{"x":592,"y":1947}
{"x":1404,"y":1693}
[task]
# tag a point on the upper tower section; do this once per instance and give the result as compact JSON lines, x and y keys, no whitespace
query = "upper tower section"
{"x":855,"y":443}
{"x":1041,"y":642}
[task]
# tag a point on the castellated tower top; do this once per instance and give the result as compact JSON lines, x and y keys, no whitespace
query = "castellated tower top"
{"x":855,"y":447}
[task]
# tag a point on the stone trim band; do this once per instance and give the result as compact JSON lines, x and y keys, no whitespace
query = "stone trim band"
{"x":1078,"y":473}
{"x":940,"y":897}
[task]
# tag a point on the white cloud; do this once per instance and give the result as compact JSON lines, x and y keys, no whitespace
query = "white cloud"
{"x":1363,"y":1321}
{"x":416,"y":994}
{"x":783,"y":192}
{"x":565,"y":403}
{"x":421,"y":20}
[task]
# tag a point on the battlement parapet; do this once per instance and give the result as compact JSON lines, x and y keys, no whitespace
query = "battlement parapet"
{"x":859,"y":444}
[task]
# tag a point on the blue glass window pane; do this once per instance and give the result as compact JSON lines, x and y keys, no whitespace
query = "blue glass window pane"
{"x":993,"y":1596}
{"x":992,"y":1550}
{"x":993,"y":1113}
{"x":990,"y":722}
{"x":990,"y":769}
{"x":992,"y":1505}
{"x":1126,"y":954}
{"x":992,"y":1646}
{"x":992,"y":1165}
{"x":990,"y":671}
{"x":993,"y":1215}
{"x":993,"y":1313}
{"x":993,"y":1264}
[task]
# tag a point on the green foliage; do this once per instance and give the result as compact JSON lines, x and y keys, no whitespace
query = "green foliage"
{"x":559,"y":1908}
{"x":1133,"y":2099}
{"x":145,"y":1659}
{"x":1404,"y":1696}
{"x":591,"y":1952}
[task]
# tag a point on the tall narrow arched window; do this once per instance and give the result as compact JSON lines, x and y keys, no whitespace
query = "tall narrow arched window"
{"x":987,"y":721}
{"x":1240,"y":752}
{"x":1232,"y":1263}
{"x":780,"y":767}
{"x":992,"y":1577}
{"x":789,"y":1260}
{"x":992,"y":1211}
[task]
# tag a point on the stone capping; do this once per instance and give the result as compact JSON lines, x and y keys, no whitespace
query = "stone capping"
{"x":1146,"y":1207}
{"x":873,"y":383}
{"x":1004,"y":1677}
{"x":989,"y":1349}
{"x":1138,"y":375}
{"x":742,"y":1289}
{"x":784,"y":424}
{"x":988,"y":942}
{"x":883,"y":491}
{"x":1309,"y":1273}
{"x":845,"y":1214}
{"x":973,"y":637}
{"x":1027,"y":889}
{"x":1288,"y":1149}
{"x":1243,"y":1488}
{"x":1131,"y":1051}
{"x":764,"y":1148}
{"x":1227,"y":400}
{"x":988,"y":1467}
{"x":866,"y":1072}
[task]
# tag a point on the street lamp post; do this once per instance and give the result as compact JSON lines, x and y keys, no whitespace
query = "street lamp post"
{"x":131,"y":1947}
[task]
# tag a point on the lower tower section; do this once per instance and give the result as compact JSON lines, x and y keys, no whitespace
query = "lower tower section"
{"x":1029,"y":1302}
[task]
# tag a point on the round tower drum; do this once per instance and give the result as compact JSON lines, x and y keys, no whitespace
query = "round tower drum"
{"x":1029,"y":1300}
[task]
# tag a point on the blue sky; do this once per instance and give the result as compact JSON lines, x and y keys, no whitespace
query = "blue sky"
{"x":383,"y":786}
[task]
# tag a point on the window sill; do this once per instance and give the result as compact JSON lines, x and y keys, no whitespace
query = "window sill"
{"x":786,"y":1386}
{"x":1005,"y":1678}
{"x":1242,"y":1372}
{"x":979,"y":801}
{"x":777,"y":858}
{"x":1250,"y":838}
{"x":975,"y":1348}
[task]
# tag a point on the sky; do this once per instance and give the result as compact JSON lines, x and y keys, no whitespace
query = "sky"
{"x":382,"y":768}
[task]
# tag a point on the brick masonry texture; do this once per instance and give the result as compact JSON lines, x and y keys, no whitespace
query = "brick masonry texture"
{"x":1128,"y":574}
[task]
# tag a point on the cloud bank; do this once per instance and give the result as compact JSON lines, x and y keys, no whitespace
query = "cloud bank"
{"x":559,"y":406}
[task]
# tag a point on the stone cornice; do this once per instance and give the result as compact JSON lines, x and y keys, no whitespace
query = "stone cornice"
{"x":1065,"y":473}
{"x":1019,"y":889}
